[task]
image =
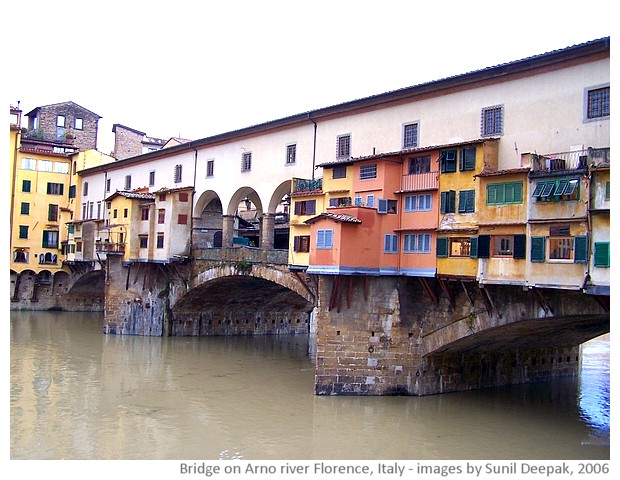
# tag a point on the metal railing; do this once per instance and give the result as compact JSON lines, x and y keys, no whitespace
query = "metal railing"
{"x":574,"y":160}
{"x":307,"y":185}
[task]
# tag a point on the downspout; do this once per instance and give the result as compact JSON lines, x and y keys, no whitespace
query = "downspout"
{"x":313,"y":146}
{"x":191,"y":221}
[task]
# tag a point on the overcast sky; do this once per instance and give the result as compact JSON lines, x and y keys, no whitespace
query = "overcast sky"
{"x":198,"y":68}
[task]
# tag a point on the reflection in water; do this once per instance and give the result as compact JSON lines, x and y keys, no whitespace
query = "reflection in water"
{"x":79,"y":394}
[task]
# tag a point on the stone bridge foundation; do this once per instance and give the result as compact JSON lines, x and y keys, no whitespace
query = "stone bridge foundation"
{"x":383,"y":335}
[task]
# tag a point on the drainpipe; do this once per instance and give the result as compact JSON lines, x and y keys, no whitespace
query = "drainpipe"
{"x":313,"y":146}
{"x":191,"y":219}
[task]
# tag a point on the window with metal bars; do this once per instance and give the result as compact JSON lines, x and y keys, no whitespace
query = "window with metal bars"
{"x":492,"y":122}
{"x":246,"y":162}
{"x":291,"y":153}
{"x":178,"y":173}
{"x":597,"y":103}
{"x":410,"y":135}
{"x":343,"y":146}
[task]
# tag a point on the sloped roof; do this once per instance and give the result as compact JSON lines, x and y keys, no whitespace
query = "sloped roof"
{"x":336,"y":217}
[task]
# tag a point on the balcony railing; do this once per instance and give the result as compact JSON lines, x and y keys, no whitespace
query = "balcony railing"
{"x":306,"y":185}
{"x":420,"y":181}
{"x":109,"y":247}
{"x":575,"y":160}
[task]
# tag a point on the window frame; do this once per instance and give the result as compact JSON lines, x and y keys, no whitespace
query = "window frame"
{"x":588,"y":114}
{"x":411,"y":139}
{"x":325,"y":239}
{"x":301,"y":243}
{"x":291,"y":154}
{"x":343,"y":146}
{"x":492,"y":121}
{"x":390,"y":243}
{"x":368,"y":171}
{"x":210,"y":167}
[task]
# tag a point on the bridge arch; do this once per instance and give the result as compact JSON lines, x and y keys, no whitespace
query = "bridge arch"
{"x":243,"y":298}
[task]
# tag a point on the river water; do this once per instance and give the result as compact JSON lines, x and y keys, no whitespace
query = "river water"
{"x":76,"y":393}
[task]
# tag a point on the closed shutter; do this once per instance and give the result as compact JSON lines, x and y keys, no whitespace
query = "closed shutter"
{"x":537,"y":253}
{"x":519,"y":246}
{"x":442,"y":246}
{"x":581,"y":249}
{"x":601,"y":254}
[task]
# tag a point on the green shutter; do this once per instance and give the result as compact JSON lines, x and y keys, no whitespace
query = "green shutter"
{"x":537,"y":253}
{"x":442,"y":246}
{"x":491,"y":194}
{"x":601,"y":254}
{"x":581,"y":249}
{"x":518,"y":191}
{"x":473,"y":247}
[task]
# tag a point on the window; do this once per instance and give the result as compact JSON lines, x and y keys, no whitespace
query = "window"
{"x":504,"y":193}
{"x":78,"y":123}
{"x":291,"y":152}
{"x":178,"y":173}
{"x":60,"y":121}
{"x":447,"y":202}
{"x":125,"y":212}
{"x":410,"y":135}
{"x":85,"y":192}
{"x":26,"y":185}
{"x":25,"y":208}
{"x":467,"y":201}
{"x":447,"y":161}
{"x":45,"y":166}
{"x":601,"y":254}
{"x":390,"y":243}
{"x":72,"y":191}
{"x":20,"y":255}
{"x":210,"y":166}
{"x":368,"y":171}
{"x":144,"y":213}
{"x":324,"y":239}
{"x":607,"y":190}
{"x":556,"y":190}
{"x":162,"y":197}
{"x":50,"y":239}
{"x":160,"y":240}
{"x":98,"y":210}
{"x":60,"y":167}
{"x":127,"y":182}
{"x":52,"y":213}
{"x":387,"y":206}
{"x":492,"y":122}
{"x":55,"y":188}
{"x":246,"y":162}
{"x":144,"y":241}
{"x":305,"y":207}
{"x":418,"y":203}
{"x":339,"y":171}
{"x":561,"y":248}
{"x":182,"y":220}
{"x":108,"y":184}
{"x":597,"y":103}
{"x":91,"y":207}
{"x":183,"y":197}
{"x":23,"y":231}
{"x":301,"y":243}
{"x":161,"y":215}
{"x":343,"y":146}
{"x":419,"y":165}
{"x":460,"y":247}
{"x":467,"y":160}
{"x":417,"y":243}
{"x":340,"y":202}
{"x":83,"y":211}
{"x":152,"y":178}
{"x":370,"y":201}
{"x":115,"y":213}
{"x":502,"y":246}
{"x":29,"y":164}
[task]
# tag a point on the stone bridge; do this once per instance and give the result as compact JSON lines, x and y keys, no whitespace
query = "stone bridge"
{"x":374,"y":335}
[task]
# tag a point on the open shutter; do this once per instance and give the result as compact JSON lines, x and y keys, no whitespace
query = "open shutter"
{"x":382,"y":206}
{"x":484,"y":246}
{"x":473,"y":247}
{"x":519,"y":246}
{"x":581,"y":249}
{"x":442,"y":246}
{"x":537,"y":253}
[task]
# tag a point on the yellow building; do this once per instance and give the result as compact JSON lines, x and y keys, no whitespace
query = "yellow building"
{"x":460,"y":202}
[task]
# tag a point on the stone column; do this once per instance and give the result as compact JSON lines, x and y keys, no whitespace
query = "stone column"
{"x":267,"y":233}
{"x":228,"y":230}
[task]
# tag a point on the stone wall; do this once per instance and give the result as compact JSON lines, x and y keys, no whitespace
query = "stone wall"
{"x":84,"y":139}
{"x":372,"y":339}
{"x":127,"y":142}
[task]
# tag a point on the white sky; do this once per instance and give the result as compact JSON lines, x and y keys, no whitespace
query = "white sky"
{"x":199,"y":68}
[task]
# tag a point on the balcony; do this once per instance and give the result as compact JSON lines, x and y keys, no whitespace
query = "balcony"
{"x":568,"y":161}
{"x":420,"y":181}
{"x":109,"y":247}
{"x":306,"y":185}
